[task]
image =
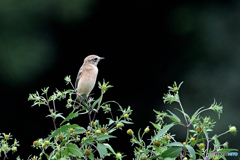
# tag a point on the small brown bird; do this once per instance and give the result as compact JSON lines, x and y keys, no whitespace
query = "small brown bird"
{"x":87,"y":75}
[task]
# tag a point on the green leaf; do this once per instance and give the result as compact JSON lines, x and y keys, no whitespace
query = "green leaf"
{"x":157,"y":112}
{"x":89,"y":141}
{"x":70,"y":116}
{"x":73,"y":149}
{"x":172,"y":152}
{"x":59,"y":115}
{"x":64,"y":129}
{"x":196,"y":113}
{"x":109,"y":147}
{"x":191,"y":151}
{"x":79,"y":130}
{"x":167,"y":158}
{"x":94,"y":103}
{"x":174,"y":117}
{"x":65,"y":152}
{"x":91,"y":156}
{"x":183,"y":113}
{"x":179,"y":144}
{"x":226,"y":150}
{"x":127,"y":122}
{"x":163,"y":131}
{"x":110,"y":121}
{"x":102,"y":149}
{"x":103,"y":137}
{"x":155,"y":125}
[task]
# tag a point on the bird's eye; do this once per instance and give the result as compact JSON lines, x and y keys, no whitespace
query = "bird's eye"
{"x":94,"y":59}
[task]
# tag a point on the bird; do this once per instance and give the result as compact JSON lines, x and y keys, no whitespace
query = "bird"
{"x":87,"y":75}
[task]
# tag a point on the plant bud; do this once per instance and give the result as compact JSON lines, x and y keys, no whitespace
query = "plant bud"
{"x":156,"y":143}
{"x":147,"y":129}
{"x":87,"y":152}
{"x":130,"y":132}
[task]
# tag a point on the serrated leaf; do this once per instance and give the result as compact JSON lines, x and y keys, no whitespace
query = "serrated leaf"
{"x":172,"y":152}
{"x":155,"y":125}
{"x":109,"y":147}
{"x":102,"y":149}
{"x":179,"y":144}
{"x":191,"y":151}
{"x":73,"y":149}
{"x":104,"y":136}
{"x":162,"y":131}
{"x":70,"y":116}
{"x":65,"y":152}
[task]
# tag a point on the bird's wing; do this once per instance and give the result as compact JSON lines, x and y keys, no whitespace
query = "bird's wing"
{"x":78,"y":77}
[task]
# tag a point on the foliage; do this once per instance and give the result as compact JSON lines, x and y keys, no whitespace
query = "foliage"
{"x":72,"y":140}
{"x":6,"y":147}
{"x":163,"y":145}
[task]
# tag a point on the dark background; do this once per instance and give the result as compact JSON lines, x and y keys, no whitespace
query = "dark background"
{"x":147,"y":45}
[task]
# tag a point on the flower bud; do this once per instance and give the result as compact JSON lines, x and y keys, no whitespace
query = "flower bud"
{"x":156,"y":143}
{"x":144,"y":158}
{"x":71,"y":130}
{"x":98,"y":131}
{"x":130,"y":132}
{"x":198,"y":129}
{"x":60,"y":137}
{"x":233,"y":129}
{"x":14,"y":149}
{"x":87,"y":152}
{"x":201,"y":145}
{"x":6,"y":136}
{"x":166,"y":137}
{"x":119,"y":125}
{"x":35,"y":143}
{"x":147,"y":129}
{"x":46,"y":143}
{"x":192,"y":139}
{"x":104,"y":87}
{"x":74,"y":134}
{"x":119,"y":155}
{"x":103,"y":130}
{"x":69,"y":100}
{"x":126,"y":115}
{"x":184,"y":143}
{"x":93,"y":124}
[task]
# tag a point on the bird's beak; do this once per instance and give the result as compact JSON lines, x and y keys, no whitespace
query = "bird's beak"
{"x":102,"y":58}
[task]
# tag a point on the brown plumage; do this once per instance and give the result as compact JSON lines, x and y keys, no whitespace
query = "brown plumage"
{"x":87,"y":75}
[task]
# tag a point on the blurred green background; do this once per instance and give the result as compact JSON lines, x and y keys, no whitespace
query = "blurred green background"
{"x":147,"y":45}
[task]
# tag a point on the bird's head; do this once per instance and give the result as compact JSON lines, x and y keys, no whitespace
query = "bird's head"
{"x":92,"y":59}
